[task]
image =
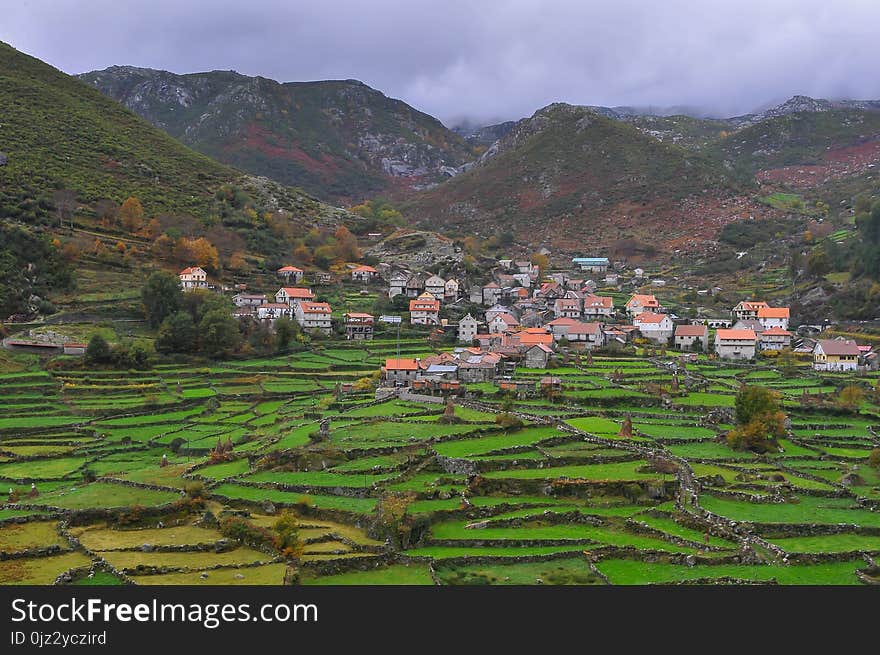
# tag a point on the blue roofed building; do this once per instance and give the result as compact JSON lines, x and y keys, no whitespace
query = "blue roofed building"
{"x":592,"y":264}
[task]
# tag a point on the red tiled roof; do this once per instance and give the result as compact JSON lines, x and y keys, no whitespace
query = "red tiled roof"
{"x":315,"y":308}
{"x":649,"y":317}
{"x":734,"y":335}
{"x":645,"y":300}
{"x":690,"y":331}
{"x":839,"y":347}
{"x":773,"y":312}
{"x":297,"y":292}
{"x":776,"y":332}
{"x":401,"y":365}
{"x":290,"y":269}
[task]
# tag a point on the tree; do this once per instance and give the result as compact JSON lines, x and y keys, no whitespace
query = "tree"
{"x":98,"y":351}
{"x":346,"y":245}
{"x":851,"y":396}
{"x":219,"y":334}
{"x":819,"y":263}
{"x":541,"y":261}
{"x":197,"y":251}
{"x":389,"y":517}
{"x":65,"y":203}
{"x":107,"y":211}
{"x":176,"y":334}
{"x":161,"y":297}
{"x":874,"y":458}
{"x":286,"y":529}
{"x":285,"y":329}
{"x":760,"y":422}
{"x":752,"y":401}
{"x":132,"y":214}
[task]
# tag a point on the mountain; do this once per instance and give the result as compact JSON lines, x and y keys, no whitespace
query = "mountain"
{"x":87,"y":184}
{"x":484,"y":135}
{"x":57,"y":133}
{"x":572,"y":178}
{"x":340,"y":140}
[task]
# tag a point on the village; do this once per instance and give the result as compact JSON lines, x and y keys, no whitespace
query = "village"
{"x":521,"y":316}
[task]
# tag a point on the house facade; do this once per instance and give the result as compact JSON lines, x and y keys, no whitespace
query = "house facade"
{"x":598,"y":307}
{"x":291,"y":274}
{"x":436,"y":286}
{"x":691,"y":337}
{"x":654,"y":326}
{"x":774,"y":317}
{"x":293,"y":295}
{"x":735,"y":344}
{"x":364,"y":274}
{"x":193,"y":277}
{"x":467,"y":329}
{"x":424,"y":310}
{"x":314,"y":316}
{"x":358,"y":326}
{"x":586,"y":335}
{"x":400,"y":372}
{"x":774,"y":338}
{"x":249,"y":300}
{"x":748,"y":309}
{"x":397,"y":284}
{"x":537,"y":356}
{"x":567,"y":308}
{"x":640,"y":303}
{"x":273,"y":310}
{"x":592,"y":264}
{"x":836,"y":355}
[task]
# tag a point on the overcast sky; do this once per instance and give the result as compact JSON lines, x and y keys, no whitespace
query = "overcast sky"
{"x":485,"y":60}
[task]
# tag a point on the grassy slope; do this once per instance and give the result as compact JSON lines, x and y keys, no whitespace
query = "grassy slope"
{"x":586,"y":162}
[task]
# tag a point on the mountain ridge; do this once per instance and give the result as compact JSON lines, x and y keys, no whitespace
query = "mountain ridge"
{"x":341,"y":140}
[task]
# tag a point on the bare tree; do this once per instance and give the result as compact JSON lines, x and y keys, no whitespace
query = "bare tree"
{"x":65,"y":203}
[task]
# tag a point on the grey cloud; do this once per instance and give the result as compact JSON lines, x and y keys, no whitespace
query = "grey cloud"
{"x":485,"y":59}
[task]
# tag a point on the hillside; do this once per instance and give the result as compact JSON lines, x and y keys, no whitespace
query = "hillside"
{"x":90,"y":145}
{"x":831,"y":143}
{"x":72,"y":157}
{"x":591,"y":180}
{"x":340,"y":140}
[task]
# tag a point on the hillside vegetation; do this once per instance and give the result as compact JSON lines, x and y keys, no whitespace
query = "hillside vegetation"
{"x":339,"y":139}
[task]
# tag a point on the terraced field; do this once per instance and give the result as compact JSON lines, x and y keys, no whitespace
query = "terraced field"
{"x":139,"y":478}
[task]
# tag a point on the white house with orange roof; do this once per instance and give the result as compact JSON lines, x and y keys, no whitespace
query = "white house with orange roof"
{"x":364,"y":273}
{"x":774,"y":317}
{"x":193,"y":277}
{"x":567,"y":308}
{"x":748,"y":309}
{"x":502,"y":323}
{"x":654,"y":326}
{"x":291,"y":273}
{"x":640,"y":303}
{"x":598,"y":307}
{"x":774,"y":338}
{"x":735,"y":344}
{"x":293,"y":295}
{"x":424,"y":310}
{"x":314,"y":316}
